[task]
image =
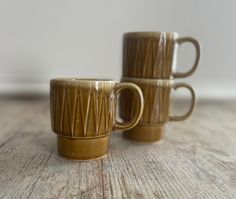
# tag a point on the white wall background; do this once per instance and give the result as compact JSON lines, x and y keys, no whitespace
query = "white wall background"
{"x":42,"y":39}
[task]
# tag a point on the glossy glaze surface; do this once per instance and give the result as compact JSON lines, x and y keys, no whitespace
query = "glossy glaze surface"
{"x":154,"y":54}
{"x":82,"y":108}
{"x":83,"y":115}
{"x":156,"y":95}
{"x":156,"y":113}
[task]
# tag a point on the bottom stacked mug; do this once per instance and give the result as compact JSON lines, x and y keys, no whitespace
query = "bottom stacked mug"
{"x":83,"y":115}
{"x":156,"y":111}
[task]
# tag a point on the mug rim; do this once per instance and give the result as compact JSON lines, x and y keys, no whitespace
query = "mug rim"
{"x":157,"y":82}
{"x":148,"y":33}
{"x":77,"y":80}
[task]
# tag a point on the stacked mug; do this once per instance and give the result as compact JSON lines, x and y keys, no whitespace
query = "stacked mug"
{"x":149,"y":61}
{"x":83,"y":111}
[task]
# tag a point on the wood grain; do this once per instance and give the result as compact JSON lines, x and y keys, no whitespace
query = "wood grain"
{"x":197,"y":158}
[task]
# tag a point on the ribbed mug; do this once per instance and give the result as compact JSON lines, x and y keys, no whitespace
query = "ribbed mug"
{"x":156,"y":112}
{"x":83,"y":115}
{"x":154,"y":55}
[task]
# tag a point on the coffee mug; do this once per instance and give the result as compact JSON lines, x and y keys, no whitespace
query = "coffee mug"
{"x":83,"y":115}
{"x":154,"y":55}
{"x":156,"y":110}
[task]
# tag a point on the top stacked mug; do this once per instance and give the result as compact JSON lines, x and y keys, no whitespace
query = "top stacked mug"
{"x":154,"y":55}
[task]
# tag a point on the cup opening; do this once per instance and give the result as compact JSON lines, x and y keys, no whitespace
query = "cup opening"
{"x":149,"y":33}
{"x":81,"y":80}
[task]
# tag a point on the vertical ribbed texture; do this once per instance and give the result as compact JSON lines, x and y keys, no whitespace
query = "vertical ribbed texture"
{"x":156,"y":104}
{"x":82,"y":111}
{"x":148,"y":55}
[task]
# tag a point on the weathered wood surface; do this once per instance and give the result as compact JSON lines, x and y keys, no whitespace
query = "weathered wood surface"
{"x":197,"y":158}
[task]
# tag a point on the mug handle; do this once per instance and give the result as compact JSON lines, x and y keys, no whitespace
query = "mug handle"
{"x":189,"y":112}
{"x":196,"y":45}
{"x":134,"y":88}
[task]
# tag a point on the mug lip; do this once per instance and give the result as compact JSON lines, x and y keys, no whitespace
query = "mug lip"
{"x":158,"y":82}
{"x":148,"y":33}
{"x":78,"y":80}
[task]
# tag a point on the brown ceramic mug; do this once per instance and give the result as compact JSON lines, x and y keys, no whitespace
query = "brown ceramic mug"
{"x":83,"y":115}
{"x":156,"y":110}
{"x":154,"y":55}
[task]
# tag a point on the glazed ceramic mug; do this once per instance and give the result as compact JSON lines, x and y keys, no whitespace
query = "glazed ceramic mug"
{"x":154,"y":55}
{"x":83,"y":115}
{"x":156,"y":110}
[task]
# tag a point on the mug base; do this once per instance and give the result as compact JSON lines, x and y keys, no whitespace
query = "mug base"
{"x":145,"y":133}
{"x":82,"y":149}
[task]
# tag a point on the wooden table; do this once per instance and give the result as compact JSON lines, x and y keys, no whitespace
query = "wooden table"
{"x":197,"y":158}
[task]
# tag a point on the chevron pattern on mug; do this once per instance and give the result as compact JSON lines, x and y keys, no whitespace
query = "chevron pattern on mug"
{"x":154,"y":55}
{"x":81,"y":111}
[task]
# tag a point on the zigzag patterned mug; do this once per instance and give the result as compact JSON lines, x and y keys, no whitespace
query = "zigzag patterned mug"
{"x":83,"y":115}
{"x":157,"y":105}
{"x":154,"y":55}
